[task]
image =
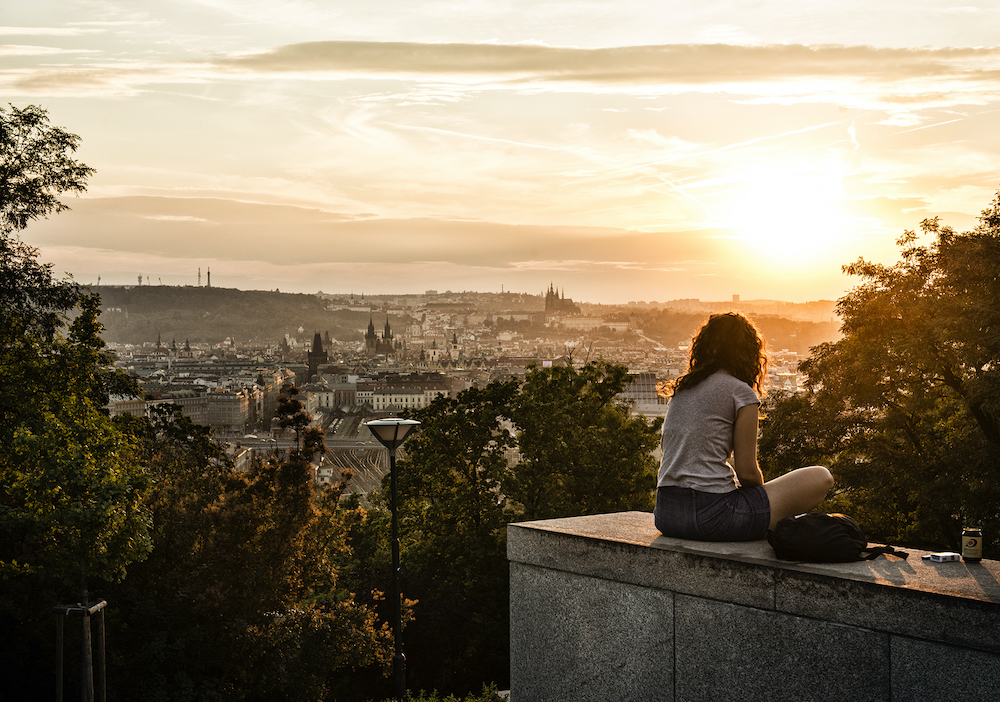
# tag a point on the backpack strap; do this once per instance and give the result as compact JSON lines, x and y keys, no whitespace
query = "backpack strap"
{"x":870,"y":554}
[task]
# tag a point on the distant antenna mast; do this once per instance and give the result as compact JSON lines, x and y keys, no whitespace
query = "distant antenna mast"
{"x":199,"y":276}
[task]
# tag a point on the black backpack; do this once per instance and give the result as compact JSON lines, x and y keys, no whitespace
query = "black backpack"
{"x":815,"y":537}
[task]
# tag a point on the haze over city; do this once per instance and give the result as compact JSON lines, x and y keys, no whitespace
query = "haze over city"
{"x":631,"y":151}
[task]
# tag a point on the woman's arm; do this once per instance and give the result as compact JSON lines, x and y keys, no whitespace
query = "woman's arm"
{"x":745,"y":447}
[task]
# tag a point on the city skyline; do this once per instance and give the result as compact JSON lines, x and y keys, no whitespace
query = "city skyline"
{"x":644,"y":152}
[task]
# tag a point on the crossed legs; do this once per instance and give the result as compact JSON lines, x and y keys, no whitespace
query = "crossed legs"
{"x":797,"y":491}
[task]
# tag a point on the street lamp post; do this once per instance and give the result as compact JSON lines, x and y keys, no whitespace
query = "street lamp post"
{"x":391,"y":433}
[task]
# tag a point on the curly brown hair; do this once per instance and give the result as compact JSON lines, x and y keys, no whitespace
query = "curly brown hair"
{"x":730,"y":342}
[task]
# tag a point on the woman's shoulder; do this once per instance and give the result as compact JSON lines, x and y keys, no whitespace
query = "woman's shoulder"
{"x":723,"y":377}
{"x":719,"y":383}
{"x":724,"y":381}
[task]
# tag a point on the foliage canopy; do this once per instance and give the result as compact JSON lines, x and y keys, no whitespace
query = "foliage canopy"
{"x":36,"y":166}
{"x":561,"y":444}
{"x":70,"y":486}
{"x":240,"y":598}
{"x":905,"y":408}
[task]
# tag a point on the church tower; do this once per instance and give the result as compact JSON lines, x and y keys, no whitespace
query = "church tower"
{"x":371,"y":339}
{"x":556,"y":302}
{"x":375,"y":345}
{"x":316,"y":357}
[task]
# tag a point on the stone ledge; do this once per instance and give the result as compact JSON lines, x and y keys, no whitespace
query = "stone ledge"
{"x":954,"y":603}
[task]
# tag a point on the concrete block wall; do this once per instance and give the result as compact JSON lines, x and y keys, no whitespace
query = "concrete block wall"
{"x":605,"y":608}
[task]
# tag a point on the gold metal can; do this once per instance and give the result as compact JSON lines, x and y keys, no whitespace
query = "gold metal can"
{"x":972,"y":544}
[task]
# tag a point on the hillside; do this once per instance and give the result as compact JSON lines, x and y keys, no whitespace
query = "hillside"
{"x":137,"y":314}
{"x":670,"y":328}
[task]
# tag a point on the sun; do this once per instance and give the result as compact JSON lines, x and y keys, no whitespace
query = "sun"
{"x":790,"y":216}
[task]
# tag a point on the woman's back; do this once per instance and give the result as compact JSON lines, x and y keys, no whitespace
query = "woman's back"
{"x":698,"y":433}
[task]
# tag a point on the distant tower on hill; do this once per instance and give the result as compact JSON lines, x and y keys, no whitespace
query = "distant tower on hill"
{"x":209,"y":277}
{"x":316,"y":357}
{"x":199,"y":276}
{"x":559,"y":304}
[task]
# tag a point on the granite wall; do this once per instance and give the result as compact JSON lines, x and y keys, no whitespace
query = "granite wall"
{"x":604,"y":608}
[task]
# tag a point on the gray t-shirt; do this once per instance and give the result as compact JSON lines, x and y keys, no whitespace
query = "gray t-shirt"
{"x":698,"y":434}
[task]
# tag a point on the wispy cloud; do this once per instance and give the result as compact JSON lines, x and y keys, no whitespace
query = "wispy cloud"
{"x":105,"y":78}
{"x":864,"y":76}
{"x":48,"y":31}
{"x":668,"y":65}
{"x":176,"y":218}
{"x":29,"y":50}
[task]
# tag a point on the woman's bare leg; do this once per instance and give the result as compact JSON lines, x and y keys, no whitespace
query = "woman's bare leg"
{"x":797,"y":491}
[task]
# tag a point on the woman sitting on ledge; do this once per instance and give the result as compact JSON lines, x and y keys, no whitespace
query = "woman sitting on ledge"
{"x":712,"y":416}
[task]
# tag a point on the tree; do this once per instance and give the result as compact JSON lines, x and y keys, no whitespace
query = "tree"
{"x":292,"y":413}
{"x":459,"y":486}
{"x":581,"y":452}
{"x":906,"y":406}
{"x":70,"y":487}
{"x":35,"y":167}
{"x":71,"y":484}
{"x":240,"y":598}
{"x":453,"y":539}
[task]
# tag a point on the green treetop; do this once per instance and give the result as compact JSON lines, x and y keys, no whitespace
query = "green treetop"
{"x":581,"y":451}
{"x":905,"y":408}
{"x":36,"y":166}
{"x":560,"y":444}
{"x":70,"y":485}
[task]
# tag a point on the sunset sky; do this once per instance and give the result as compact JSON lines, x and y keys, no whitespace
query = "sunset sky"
{"x":627,"y":150}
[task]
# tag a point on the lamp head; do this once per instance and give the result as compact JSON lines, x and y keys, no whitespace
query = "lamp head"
{"x":392,"y":431}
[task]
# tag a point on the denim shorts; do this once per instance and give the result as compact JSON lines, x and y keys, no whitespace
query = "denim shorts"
{"x":740,"y":515}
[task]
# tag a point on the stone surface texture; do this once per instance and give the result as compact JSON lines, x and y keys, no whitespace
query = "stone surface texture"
{"x":605,"y":608}
{"x":572,"y":638}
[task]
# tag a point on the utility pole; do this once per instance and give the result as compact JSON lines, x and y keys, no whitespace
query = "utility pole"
{"x":87,"y":661}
